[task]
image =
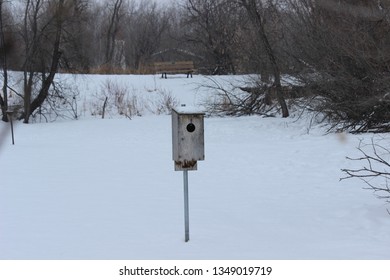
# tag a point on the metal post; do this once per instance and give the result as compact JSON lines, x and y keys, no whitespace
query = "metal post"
{"x":186,"y":207}
{"x":12,"y":132}
{"x":10,"y":117}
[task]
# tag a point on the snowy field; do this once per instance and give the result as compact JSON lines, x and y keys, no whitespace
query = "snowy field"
{"x":105,"y":188}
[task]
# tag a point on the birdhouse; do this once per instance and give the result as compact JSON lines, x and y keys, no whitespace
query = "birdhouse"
{"x":187,"y":138}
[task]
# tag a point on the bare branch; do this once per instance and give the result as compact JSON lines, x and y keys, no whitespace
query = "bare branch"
{"x":376,"y":168}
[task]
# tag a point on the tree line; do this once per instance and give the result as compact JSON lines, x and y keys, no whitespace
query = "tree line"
{"x":338,"y":51}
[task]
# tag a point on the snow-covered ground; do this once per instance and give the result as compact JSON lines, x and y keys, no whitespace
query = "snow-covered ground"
{"x":105,"y":188}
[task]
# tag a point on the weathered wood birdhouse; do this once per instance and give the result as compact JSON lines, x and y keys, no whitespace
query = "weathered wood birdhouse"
{"x":187,"y":138}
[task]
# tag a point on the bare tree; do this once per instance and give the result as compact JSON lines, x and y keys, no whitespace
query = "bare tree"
{"x":212,"y":26}
{"x":41,"y":58}
{"x":342,"y":47}
{"x":4,"y":49}
{"x":78,"y":44}
{"x":113,"y":29}
{"x":254,"y":8}
{"x":145,"y":29}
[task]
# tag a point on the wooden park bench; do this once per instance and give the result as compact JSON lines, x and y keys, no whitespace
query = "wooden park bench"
{"x":174,"y":67}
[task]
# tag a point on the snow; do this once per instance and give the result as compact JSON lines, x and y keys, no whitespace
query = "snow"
{"x":106,"y":188}
{"x":189,"y":110}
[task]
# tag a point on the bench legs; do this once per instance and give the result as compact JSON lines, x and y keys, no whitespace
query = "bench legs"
{"x":164,"y":75}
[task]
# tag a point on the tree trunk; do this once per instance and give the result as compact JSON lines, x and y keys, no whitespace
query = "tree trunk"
{"x":46,"y":83}
{"x":257,"y":20}
{"x":112,"y":32}
{"x":3,"y":51}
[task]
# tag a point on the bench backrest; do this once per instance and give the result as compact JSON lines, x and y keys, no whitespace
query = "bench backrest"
{"x":173,"y":65}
